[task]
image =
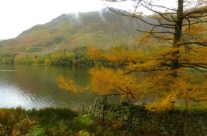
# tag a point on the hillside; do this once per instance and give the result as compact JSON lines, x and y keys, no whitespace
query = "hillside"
{"x":100,"y":29}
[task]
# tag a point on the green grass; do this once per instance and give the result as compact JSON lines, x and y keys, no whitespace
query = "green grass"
{"x":192,"y":106}
{"x":64,"y":122}
{"x":50,"y":122}
{"x":38,"y":123}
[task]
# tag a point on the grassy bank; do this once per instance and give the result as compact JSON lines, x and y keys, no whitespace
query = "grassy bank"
{"x":19,"y":122}
{"x":50,"y":122}
{"x":64,"y":122}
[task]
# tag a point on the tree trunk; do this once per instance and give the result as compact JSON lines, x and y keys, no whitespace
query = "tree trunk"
{"x":178,"y":25}
{"x":186,"y":113}
{"x":177,"y":37}
{"x":104,"y":107}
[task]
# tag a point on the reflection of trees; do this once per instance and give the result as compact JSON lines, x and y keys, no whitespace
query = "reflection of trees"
{"x":40,"y":82}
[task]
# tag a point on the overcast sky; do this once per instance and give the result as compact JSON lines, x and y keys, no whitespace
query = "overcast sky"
{"x":19,"y":15}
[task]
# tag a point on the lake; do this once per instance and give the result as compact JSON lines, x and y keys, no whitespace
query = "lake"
{"x":36,"y":87}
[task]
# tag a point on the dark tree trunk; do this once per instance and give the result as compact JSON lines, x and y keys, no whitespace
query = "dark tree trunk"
{"x":104,"y":107}
{"x":177,"y":36}
{"x":179,"y":24}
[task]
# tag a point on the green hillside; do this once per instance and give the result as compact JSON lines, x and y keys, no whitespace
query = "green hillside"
{"x":100,"y":29}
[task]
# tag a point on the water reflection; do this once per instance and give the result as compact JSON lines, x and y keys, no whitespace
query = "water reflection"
{"x":36,"y":87}
{"x":12,"y":96}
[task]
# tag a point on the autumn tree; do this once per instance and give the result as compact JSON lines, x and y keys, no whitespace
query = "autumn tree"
{"x":176,"y":73}
{"x":164,"y":74}
{"x":183,"y":27}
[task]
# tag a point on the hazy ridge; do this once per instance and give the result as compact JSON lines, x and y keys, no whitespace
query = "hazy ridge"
{"x":101,"y":29}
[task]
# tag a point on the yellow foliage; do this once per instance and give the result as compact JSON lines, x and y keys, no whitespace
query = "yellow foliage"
{"x":143,"y":38}
{"x":147,"y":66}
{"x":147,"y":72}
{"x":83,"y":133}
{"x":105,"y":81}
{"x":47,"y":61}
{"x":195,"y":30}
{"x":189,"y":91}
{"x":94,"y":53}
{"x":163,"y":105}
{"x":68,"y":85}
{"x":36,"y":59}
{"x":117,"y":55}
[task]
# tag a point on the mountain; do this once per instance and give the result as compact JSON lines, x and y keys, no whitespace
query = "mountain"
{"x":101,"y":29}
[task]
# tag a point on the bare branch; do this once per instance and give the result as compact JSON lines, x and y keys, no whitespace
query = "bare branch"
{"x":202,"y":10}
{"x":160,"y":14}
{"x":193,"y":43}
{"x":162,"y":25}
{"x":161,"y":6}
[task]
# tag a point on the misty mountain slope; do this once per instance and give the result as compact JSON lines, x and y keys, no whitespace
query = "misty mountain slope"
{"x":100,"y":29}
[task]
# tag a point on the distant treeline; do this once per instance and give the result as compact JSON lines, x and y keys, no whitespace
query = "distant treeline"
{"x":76,"y":57}
{"x":60,"y":58}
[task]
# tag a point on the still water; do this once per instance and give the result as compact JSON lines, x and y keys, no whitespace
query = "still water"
{"x":36,"y":87}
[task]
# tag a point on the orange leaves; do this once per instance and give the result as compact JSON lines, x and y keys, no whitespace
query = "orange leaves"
{"x":117,"y":55}
{"x":105,"y":81}
{"x":196,"y":55}
{"x":94,"y":53}
{"x":124,"y":55}
{"x":47,"y":61}
{"x":165,"y":104}
{"x":149,"y":74}
{"x":189,"y":91}
{"x":68,"y":85}
{"x":195,"y":30}
{"x":147,"y":66}
{"x":194,"y":33}
{"x":102,"y":80}
{"x":143,"y":57}
{"x":143,"y":38}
